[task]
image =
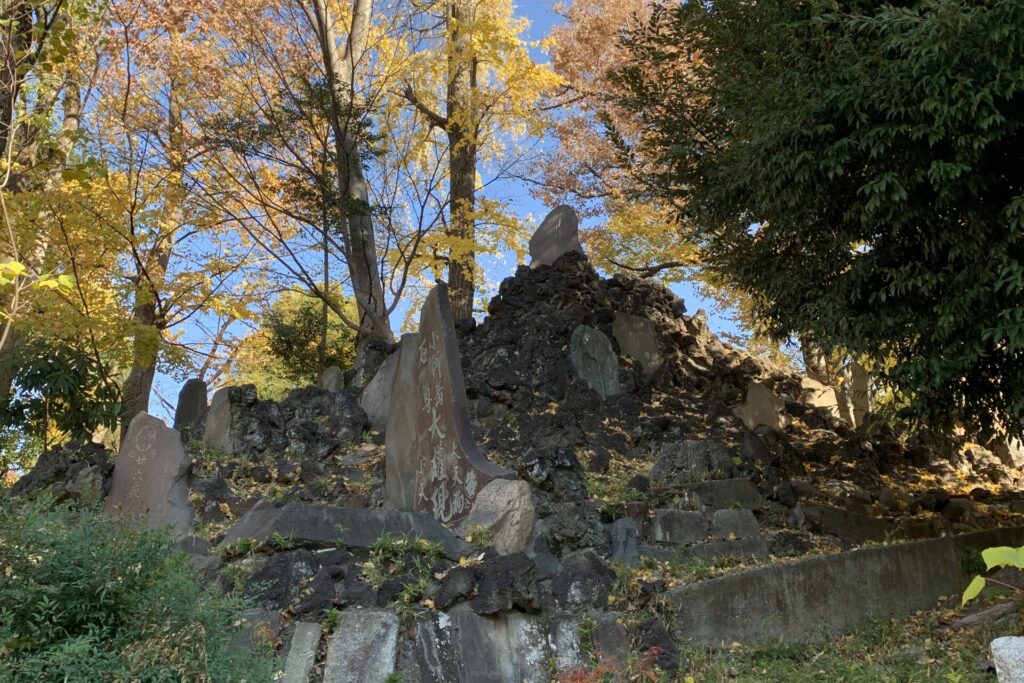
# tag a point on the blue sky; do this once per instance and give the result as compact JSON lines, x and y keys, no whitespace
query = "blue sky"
{"x":542,"y":16}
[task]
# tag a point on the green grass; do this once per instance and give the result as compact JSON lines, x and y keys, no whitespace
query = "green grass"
{"x":911,"y":650}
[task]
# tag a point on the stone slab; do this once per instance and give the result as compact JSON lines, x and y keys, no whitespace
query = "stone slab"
{"x":376,"y":397}
{"x":461,"y":646}
{"x":678,"y":526}
{"x":594,"y":360}
{"x":326,"y":525}
{"x":400,"y":461}
{"x":638,"y":339}
{"x":845,"y":523}
{"x":302,"y":653}
{"x":722,"y":494}
{"x":625,"y":539}
{"x":820,"y":597}
{"x":559,"y":233}
{"x":733,"y":524}
{"x":217,"y":431}
{"x":331,"y":379}
{"x":190,"y":413}
{"x":762,"y":407}
{"x":151,"y":476}
{"x":363,"y":647}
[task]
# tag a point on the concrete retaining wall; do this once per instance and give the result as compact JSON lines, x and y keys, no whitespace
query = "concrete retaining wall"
{"x":822,"y":596}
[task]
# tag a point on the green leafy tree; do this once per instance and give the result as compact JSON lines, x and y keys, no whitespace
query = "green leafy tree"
{"x":60,"y":391}
{"x":855,"y":167}
{"x":296,"y":339}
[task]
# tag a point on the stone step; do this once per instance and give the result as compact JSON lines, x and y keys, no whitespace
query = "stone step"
{"x":363,"y":647}
{"x":687,"y":526}
{"x":721,"y":494}
{"x":301,"y":653}
{"x":815,"y":598}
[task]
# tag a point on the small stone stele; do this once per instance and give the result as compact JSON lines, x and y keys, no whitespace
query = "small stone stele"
{"x":150,"y":476}
{"x":638,"y":339}
{"x":559,"y":233}
{"x":331,"y":379}
{"x":190,"y":413}
{"x":594,"y":361}
{"x":762,"y":407}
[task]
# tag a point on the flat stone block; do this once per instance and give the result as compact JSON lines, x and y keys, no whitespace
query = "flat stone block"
{"x":363,"y":647}
{"x":720,"y":494}
{"x":734,"y":524}
{"x":302,"y":653}
{"x":678,"y":526}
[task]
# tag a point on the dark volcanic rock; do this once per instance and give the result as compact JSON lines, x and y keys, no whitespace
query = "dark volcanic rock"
{"x":74,"y":471}
{"x":300,"y":579}
{"x":656,"y":646}
{"x":310,"y":423}
{"x":504,"y":582}
{"x":585,"y":581}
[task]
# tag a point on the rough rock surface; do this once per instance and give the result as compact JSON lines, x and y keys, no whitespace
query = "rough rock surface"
{"x":1008,"y":658}
{"x":311,"y":422}
{"x":74,"y":471}
{"x":505,"y":510}
{"x":150,"y":477}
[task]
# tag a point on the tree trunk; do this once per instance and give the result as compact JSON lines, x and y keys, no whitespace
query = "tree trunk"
{"x":462,"y":158}
{"x":353,"y":193}
{"x":816,"y":365}
{"x":147,"y":313}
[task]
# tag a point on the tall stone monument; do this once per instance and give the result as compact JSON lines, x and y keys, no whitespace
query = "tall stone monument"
{"x":559,"y":233}
{"x":429,"y":423}
{"x":151,"y":476}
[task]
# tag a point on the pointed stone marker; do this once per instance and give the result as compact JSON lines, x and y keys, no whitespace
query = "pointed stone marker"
{"x":400,"y":460}
{"x":190,"y":413}
{"x":376,"y":398}
{"x":150,"y":476}
{"x":559,"y":233}
{"x":429,"y":410}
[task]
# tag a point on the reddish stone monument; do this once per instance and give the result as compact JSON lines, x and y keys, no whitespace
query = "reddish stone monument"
{"x":449,"y":468}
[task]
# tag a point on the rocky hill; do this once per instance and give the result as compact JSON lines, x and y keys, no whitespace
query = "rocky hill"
{"x":656,"y":457}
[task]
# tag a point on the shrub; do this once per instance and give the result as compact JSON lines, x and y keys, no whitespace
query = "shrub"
{"x":82,"y":599}
{"x":999,"y":557}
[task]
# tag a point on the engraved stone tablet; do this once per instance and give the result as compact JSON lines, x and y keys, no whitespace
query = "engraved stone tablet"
{"x":150,"y":476}
{"x":450,"y":469}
